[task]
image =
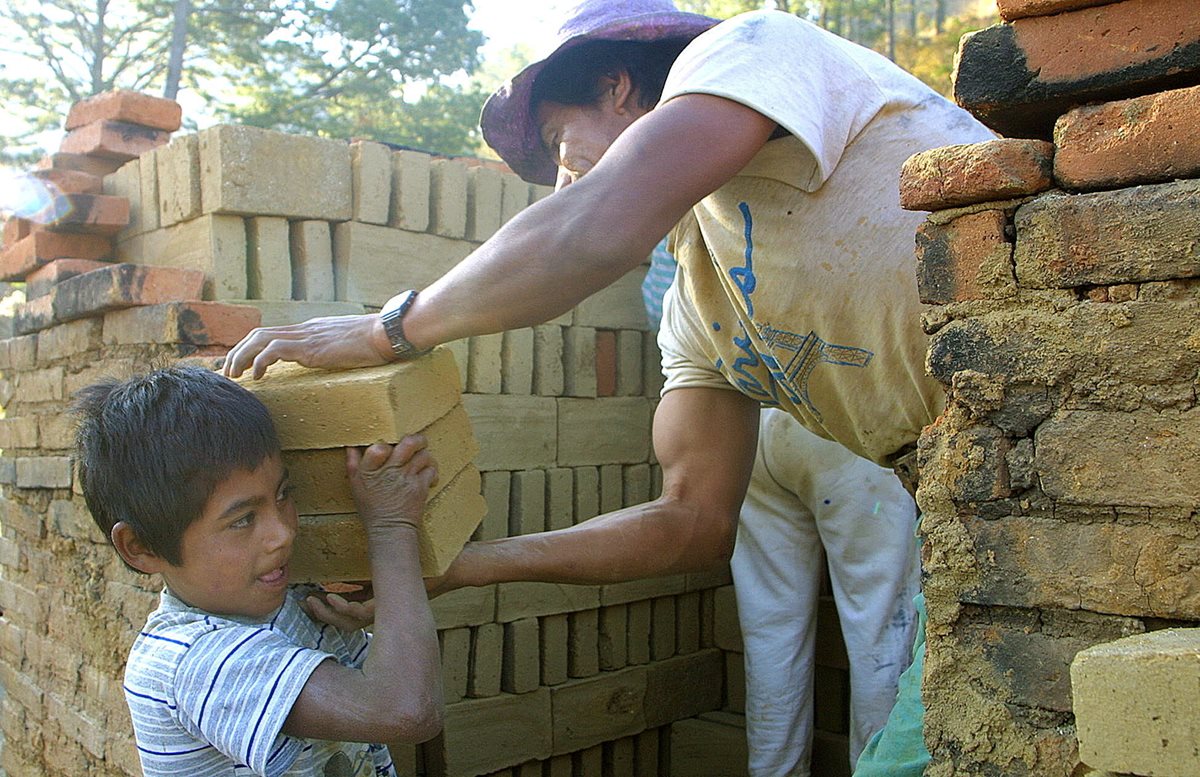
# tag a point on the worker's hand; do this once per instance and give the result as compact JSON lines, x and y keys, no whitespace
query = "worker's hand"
{"x":390,"y":483}
{"x":338,"y":612}
{"x":332,"y":343}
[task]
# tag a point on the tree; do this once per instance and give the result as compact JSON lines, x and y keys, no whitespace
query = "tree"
{"x":360,"y":68}
{"x":63,"y":52}
{"x":926,"y":48}
{"x":333,"y":67}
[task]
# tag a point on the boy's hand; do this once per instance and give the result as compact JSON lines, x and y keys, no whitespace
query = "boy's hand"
{"x":391,"y":483}
{"x":340,"y":613}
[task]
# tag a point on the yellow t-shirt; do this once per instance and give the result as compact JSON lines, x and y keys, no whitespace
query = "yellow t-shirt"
{"x":797,"y":282}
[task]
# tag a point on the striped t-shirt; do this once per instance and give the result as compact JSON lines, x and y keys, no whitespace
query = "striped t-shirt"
{"x":209,"y":694}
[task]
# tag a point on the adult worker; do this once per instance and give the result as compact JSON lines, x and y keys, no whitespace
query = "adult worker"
{"x":811,"y":498}
{"x":771,"y":151}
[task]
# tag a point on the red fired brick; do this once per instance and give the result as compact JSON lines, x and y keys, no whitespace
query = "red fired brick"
{"x":1016,"y":9}
{"x":113,"y":140}
{"x":953,"y":176}
{"x":131,"y":107}
{"x":1147,"y":139}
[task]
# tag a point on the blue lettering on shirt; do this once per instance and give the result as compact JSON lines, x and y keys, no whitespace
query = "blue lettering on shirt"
{"x":807,"y":351}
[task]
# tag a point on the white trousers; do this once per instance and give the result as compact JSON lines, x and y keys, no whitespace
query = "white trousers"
{"x":808,"y":493}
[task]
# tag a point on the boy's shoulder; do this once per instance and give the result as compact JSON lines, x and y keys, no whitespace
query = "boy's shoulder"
{"x":174,"y":627}
{"x":209,"y":688}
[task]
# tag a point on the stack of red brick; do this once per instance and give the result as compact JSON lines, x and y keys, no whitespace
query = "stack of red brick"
{"x":1058,"y":486}
{"x":64,"y":252}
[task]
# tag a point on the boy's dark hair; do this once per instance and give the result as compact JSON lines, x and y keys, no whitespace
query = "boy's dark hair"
{"x":573,"y":77}
{"x":150,"y":450}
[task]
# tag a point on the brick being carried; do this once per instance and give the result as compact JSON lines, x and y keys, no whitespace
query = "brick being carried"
{"x":334,"y":547}
{"x":1019,"y":76}
{"x":318,"y":412}
{"x":316,"y":409}
{"x":322,"y":487}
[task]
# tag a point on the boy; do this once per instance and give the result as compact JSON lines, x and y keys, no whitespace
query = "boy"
{"x":181,"y":469}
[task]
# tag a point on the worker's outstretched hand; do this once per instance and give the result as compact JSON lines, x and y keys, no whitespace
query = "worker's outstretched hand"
{"x":332,"y":343}
{"x":339,"y":612}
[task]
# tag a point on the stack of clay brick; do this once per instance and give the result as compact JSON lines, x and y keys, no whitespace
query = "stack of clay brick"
{"x":1059,"y":487}
{"x":236,"y":224}
{"x":318,"y":413}
{"x":57,"y":250}
{"x":302,"y":226}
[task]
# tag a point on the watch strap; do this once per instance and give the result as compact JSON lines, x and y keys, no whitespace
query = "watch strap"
{"x":392,"y":315}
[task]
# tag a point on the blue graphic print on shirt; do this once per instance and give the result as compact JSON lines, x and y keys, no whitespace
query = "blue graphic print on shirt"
{"x":806,"y":351}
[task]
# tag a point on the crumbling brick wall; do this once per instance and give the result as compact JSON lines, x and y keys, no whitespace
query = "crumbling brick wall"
{"x":186,"y":245}
{"x":1059,"y":488}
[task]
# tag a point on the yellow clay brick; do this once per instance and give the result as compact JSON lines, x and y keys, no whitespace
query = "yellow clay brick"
{"x":334,"y":547}
{"x":321,"y":486}
{"x":327,"y":409}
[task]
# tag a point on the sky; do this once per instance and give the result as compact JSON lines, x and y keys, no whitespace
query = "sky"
{"x":505,"y":23}
{"x":508,"y":22}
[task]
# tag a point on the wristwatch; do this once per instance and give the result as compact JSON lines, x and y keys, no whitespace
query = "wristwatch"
{"x":392,"y":314}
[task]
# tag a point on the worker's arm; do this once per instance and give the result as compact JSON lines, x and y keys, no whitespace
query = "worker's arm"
{"x":705,"y":440}
{"x":555,"y":253}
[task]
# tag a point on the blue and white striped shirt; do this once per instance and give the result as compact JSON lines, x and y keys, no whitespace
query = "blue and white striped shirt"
{"x":209,"y":694}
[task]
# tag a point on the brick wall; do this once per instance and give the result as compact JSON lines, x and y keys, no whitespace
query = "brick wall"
{"x":1059,"y":486}
{"x":176,"y":249}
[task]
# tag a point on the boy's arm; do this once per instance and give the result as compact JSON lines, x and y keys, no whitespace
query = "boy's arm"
{"x":396,"y":696}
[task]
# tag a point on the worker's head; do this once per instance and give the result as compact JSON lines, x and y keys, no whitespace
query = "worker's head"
{"x":604,"y":68}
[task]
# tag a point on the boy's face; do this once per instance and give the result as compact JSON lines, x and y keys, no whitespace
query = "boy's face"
{"x":235,"y":555}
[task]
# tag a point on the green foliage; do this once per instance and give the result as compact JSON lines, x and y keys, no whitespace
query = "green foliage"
{"x":346,"y":71}
{"x":924,"y":38}
{"x":58,"y":53}
{"x":493,"y":72}
{"x":382,"y":69}
{"x":719,"y":9}
{"x":931,"y":57}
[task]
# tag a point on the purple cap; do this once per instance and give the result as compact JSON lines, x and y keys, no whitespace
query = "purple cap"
{"x":508,"y":123}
